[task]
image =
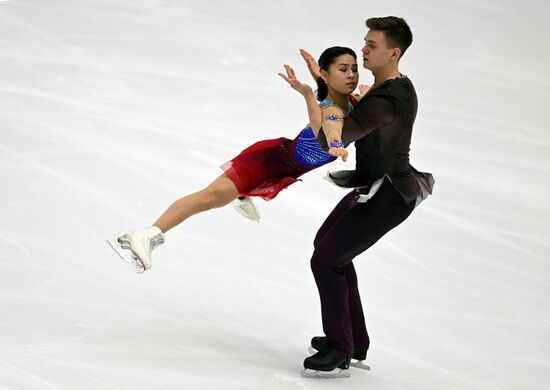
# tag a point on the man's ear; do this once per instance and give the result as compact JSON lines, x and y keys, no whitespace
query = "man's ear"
{"x":395,"y":54}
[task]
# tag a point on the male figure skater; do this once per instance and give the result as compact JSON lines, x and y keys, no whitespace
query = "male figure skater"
{"x":386,"y":190}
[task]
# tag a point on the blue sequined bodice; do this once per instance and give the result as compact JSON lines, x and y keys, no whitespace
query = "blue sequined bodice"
{"x":307,"y":150}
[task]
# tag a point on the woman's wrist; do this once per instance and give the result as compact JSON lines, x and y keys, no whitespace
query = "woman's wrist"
{"x":333,"y":136}
{"x":308,"y":93}
{"x":337,"y":144}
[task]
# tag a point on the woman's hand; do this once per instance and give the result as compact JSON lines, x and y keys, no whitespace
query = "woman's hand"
{"x":296,"y":84}
{"x":339,"y":152}
{"x":336,"y":148}
{"x":312,"y":64}
{"x":363,"y":89}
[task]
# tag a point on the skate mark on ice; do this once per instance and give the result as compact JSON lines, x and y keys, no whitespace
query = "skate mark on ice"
{"x":51,"y":270}
{"x":337,"y":373}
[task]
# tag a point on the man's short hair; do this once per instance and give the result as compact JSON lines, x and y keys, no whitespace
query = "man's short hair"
{"x":396,"y":31}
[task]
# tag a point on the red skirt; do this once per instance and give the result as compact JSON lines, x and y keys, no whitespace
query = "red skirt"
{"x":265,"y":168}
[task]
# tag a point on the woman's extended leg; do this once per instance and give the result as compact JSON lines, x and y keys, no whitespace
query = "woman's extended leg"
{"x":142,"y":241}
{"x":217,"y":194}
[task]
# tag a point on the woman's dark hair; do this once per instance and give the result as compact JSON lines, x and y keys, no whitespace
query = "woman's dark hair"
{"x":396,"y":31}
{"x":327,"y":58}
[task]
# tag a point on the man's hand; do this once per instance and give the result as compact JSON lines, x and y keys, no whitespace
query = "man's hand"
{"x":312,"y":64}
{"x":291,"y":79}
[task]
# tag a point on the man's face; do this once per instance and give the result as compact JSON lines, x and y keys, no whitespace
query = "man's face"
{"x":376,"y":53}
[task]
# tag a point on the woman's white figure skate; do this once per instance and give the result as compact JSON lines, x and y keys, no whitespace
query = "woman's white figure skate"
{"x":245,"y":206}
{"x":135,"y":247}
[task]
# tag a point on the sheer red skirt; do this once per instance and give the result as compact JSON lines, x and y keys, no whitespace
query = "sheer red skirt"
{"x":265,"y":168}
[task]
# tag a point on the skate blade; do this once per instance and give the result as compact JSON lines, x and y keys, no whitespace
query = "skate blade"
{"x":353,"y":363}
{"x":336,"y":373}
{"x":248,"y":216}
{"x":255,"y":216}
{"x":129,"y":258}
{"x":359,"y":364}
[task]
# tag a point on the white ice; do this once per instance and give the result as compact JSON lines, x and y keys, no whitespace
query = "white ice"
{"x":112,"y":109}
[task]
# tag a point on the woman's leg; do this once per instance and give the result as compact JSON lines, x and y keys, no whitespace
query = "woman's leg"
{"x":219,"y":193}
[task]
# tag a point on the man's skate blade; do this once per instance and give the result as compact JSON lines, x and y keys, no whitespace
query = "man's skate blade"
{"x":336,"y":373}
{"x":127,"y":257}
{"x":359,"y":364}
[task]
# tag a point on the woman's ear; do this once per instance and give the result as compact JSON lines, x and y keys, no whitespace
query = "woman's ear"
{"x":324,"y":75}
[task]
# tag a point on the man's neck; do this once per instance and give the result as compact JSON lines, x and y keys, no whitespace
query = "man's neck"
{"x":385,"y":74}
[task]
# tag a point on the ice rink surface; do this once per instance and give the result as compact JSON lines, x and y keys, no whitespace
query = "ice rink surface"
{"x":111,"y":110}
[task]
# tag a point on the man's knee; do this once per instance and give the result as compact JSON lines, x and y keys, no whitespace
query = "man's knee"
{"x":317,"y":238}
{"x":326,"y":262}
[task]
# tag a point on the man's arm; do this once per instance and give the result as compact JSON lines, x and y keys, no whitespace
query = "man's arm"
{"x":371,"y":113}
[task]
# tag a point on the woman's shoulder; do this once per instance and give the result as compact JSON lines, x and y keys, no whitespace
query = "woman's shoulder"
{"x":330,"y":105}
{"x":326,"y":102}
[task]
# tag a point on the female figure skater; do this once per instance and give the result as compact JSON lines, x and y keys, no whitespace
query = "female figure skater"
{"x":266,"y":167}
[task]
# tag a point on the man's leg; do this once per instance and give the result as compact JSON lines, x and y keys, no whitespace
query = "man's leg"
{"x":361,"y":338}
{"x":351,"y":234}
{"x":360,"y":334}
{"x":341,"y":208}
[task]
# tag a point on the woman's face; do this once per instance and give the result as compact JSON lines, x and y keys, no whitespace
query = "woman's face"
{"x":342,"y":75}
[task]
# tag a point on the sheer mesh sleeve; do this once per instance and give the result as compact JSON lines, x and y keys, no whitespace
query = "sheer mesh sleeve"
{"x":371,"y":113}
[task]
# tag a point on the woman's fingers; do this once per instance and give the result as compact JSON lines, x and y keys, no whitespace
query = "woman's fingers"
{"x":308,"y":57}
{"x":363,"y":88}
{"x":287,"y":68}
{"x":339,"y":152}
{"x":290,"y":72}
{"x":284,"y":77}
{"x":311,"y":64}
{"x":305,"y":55}
{"x":289,"y":77}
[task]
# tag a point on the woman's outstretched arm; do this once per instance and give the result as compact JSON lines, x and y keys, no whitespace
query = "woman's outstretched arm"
{"x":332,"y":124}
{"x":313,"y":109}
